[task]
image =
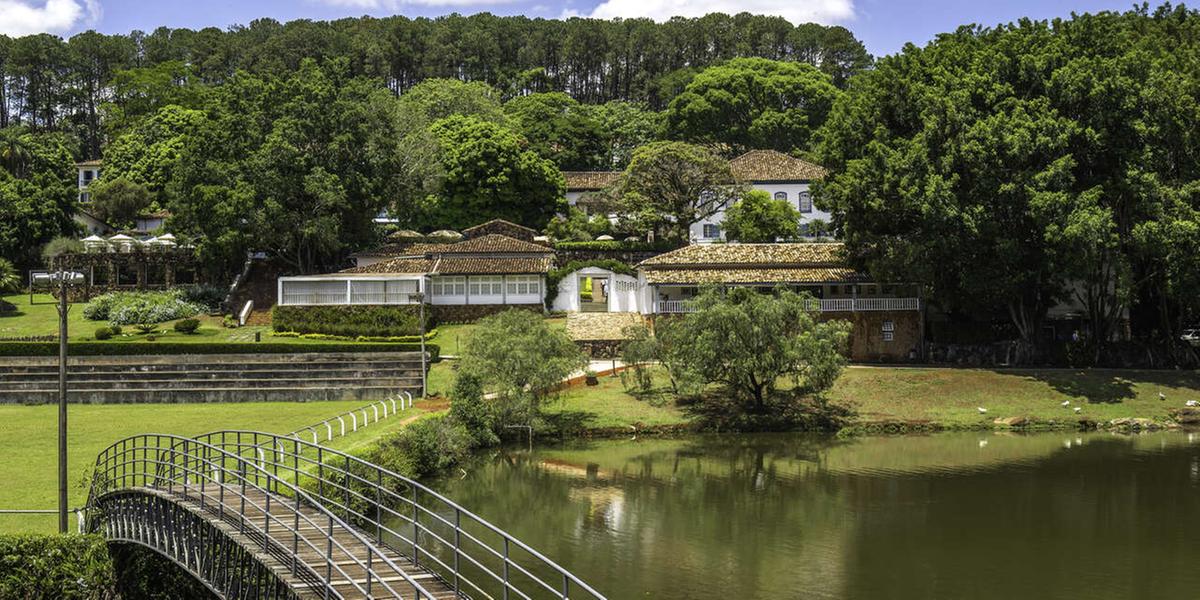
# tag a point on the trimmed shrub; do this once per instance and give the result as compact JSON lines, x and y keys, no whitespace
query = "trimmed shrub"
{"x":139,"y":349}
{"x":187,"y":325}
{"x":434,"y":444}
{"x":116,"y":329}
{"x":103,"y":333}
{"x":208,"y":296}
{"x":56,"y":566}
{"x":617,"y":245}
{"x":349,"y":321}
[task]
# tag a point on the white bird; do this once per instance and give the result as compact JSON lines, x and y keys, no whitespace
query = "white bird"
{"x":1065,"y":403}
{"x":1162,"y":396}
{"x":1191,"y":403}
{"x":982,"y":410}
{"x":1077,"y":409}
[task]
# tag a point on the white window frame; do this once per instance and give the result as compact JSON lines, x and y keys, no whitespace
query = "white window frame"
{"x":523,"y":285}
{"x":485,"y":285}
{"x":704,"y":231}
{"x":781,"y":195}
{"x":448,"y":286}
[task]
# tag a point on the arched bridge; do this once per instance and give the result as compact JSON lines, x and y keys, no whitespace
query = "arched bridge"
{"x":258,"y":515}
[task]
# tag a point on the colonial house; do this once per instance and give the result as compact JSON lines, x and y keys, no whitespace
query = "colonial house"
{"x":462,"y":280}
{"x":88,"y":171}
{"x":783,"y":177}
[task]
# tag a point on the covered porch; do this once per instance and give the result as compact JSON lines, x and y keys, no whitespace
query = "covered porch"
{"x":827,"y":297}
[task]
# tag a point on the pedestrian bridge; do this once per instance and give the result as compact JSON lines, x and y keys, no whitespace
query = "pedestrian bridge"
{"x":259,"y":515}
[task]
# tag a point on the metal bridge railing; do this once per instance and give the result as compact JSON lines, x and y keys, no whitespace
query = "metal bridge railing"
{"x":282,"y":519}
{"x":472,"y":556}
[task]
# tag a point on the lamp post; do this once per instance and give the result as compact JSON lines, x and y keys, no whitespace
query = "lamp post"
{"x":419,"y":298}
{"x":65,"y":278}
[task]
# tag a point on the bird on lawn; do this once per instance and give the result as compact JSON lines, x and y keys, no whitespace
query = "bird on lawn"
{"x":1162,"y":396}
{"x":1077,"y":409}
{"x":982,"y":410}
{"x":1065,"y":403}
{"x":1191,"y":403}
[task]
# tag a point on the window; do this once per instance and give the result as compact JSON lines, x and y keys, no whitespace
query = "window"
{"x":889,"y":331}
{"x":448,"y":286}
{"x":519,"y":285}
{"x":85,"y":197}
{"x":781,"y":195}
{"x":805,"y":202}
{"x":487,"y":285}
{"x":712,"y":231}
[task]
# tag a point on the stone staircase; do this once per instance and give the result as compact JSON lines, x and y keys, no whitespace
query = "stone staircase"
{"x":213,"y":378}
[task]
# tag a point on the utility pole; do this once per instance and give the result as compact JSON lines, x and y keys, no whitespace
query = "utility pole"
{"x":63,"y":309}
{"x":419,"y":297}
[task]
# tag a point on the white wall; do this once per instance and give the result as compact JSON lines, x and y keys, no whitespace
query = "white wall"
{"x":792,"y":190}
{"x":623,"y":290}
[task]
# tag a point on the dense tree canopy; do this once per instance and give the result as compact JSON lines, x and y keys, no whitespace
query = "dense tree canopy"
{"x":561,"y":129}
{"x":1013,"y":167}
{"x":751,"y":103}
{"x":118,"y":201}
{"x":490,"y":174}
{"x":37,"y":192}
{"x":758,"y":218}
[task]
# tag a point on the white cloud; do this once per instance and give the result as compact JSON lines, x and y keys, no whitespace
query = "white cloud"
{"x":25,"y":17}
{"x":397,"y":4}
{"x":796,"y":11}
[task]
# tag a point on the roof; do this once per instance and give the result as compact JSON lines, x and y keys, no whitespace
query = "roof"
{"x":399,"y":249}
{"x":498,"y":223}
{"x":770,"y":165}
{"x":811,"y":254}
{"x":90,"y":163}
{"x":158,"y":214}
{"x":482,"y":265}
{"x":395,"y":266}
{"x":751,"y":263}
{"x":766,"y":275}
{"x":492,"y":243}
{"x":580,"y":181}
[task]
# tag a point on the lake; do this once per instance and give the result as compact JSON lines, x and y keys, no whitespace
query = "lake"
{"x":978,"y":515}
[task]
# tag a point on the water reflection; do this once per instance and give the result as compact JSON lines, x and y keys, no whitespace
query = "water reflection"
{"x":794,"y":516}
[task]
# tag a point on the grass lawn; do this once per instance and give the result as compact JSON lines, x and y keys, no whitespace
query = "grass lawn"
{"x":28,"y":448}
{"x":608,"y":405}
{"x":953,"y":395}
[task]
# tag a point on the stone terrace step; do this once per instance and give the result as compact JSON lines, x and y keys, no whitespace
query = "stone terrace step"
{"x":233,"y":394}
{"x":197,"y":360}
{"x":186,"y":384}
{"x":209,"y":375}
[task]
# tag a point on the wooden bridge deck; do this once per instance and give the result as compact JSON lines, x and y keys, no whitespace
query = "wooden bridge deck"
{"x":311,"y":545}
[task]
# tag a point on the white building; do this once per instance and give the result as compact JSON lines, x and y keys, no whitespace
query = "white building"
{"x":89,"y":171}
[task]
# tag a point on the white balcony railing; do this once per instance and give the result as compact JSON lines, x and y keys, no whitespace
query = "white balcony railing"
{"x":823,"y":305}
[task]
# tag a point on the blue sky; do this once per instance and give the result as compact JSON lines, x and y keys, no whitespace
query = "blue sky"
{"x":884,"y":25}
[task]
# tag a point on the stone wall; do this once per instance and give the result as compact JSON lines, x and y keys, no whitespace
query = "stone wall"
{"x":600,"y":348}
{"x":867,"y":342}
{"x":474,"y":312}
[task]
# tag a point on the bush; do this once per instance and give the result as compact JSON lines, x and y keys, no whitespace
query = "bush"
{"x":469,"y":409}
{"x":10,"y":280}
{"x":135,"y":349}
{"x":349,"y":321}
{"x":145,"y":328}
{"x":103,"y":333}
{"x":56,"y":566}
{"x":131,"y":308}
{"x":208,"y":296}
{"x":61,"y":245}
{"x":187,"y":326}
{"x":116,"y":329}
{"x":434,"y":444}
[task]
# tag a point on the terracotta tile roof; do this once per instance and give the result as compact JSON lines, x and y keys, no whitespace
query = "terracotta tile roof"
{"x":767,"y":275}
{"x":480,"y":265}
{"x":500,"y":225}
{"x":810,"y":254}
{"x":395,"y":265}
{"x":158,"y":214}
{"x":90,"y":163}
{"x":400,"y":249}
{"x":580,"y":181}
{"x":751,"y":263}
{"x":769,"y":165}
{"x":492,"y":243}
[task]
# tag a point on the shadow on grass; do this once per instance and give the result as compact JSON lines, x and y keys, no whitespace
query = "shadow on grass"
{"x":1105,"y":386}
{"x":569,"y":421}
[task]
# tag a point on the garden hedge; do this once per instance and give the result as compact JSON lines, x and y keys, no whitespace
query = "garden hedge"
{"x":56,"y":566}
{"x":350,"y":321}
{"x":152,"y":348}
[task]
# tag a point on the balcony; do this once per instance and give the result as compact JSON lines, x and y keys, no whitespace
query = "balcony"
{"x":825,"y":305}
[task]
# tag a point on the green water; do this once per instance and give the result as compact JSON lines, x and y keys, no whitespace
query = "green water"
{"x":795,"y":516}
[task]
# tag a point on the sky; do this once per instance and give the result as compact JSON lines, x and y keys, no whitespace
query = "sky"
{"x":883,"y":25}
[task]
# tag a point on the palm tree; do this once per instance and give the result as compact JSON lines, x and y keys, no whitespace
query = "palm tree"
{"x":10,"y":280}
{"x":15,"y":153}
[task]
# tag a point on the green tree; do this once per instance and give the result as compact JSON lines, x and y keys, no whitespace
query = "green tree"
{"x":37,"y":192}
{"x":517,"y":355}
{"x":670,"y":185}
{"x":469,"y":408}
{"x":436,"y":99}
{"x":559,"y":128}
{"x":149,"y":154}
{"x":747,"y":342}
{"x":759,"y":218}
{"x":118,"y":201}
{"x":625,"y":127}
{"x":10,"y":279}
{"x":489,"y":174}
{"x":753,"y":103}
